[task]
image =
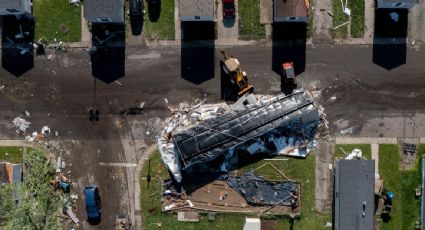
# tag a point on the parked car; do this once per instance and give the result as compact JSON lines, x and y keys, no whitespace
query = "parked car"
{"x":229,"y":10}
{"x":288,"y":73}
{"x":92,"y":199}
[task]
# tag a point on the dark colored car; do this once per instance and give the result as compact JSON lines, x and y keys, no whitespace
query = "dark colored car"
{"x":229,"y":8}
{"x":91,"y":194}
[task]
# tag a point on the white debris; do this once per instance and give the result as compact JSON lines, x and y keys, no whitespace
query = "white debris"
{"x":394,"y":16}
{"x":166,"y":100}
{"x":142,"y":105}
{"x":29,"y":138}
{"x":347,"y":131}
{"x":328,"y":225}
{"x":45,"y":130}
{"x":21,"y":124}
{"x":332,"y":99}
{"x":56,"y":133}
{"x":169,"y":207}
{"x":147,"y":132}
{"x":28,"y":114}
{"x":190,"y":203}
{"x":356,"y":153}
{"x":1,"y":87}
{"x":347,"y":11}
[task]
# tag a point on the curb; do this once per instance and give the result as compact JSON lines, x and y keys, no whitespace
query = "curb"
{"x":137,"y":217}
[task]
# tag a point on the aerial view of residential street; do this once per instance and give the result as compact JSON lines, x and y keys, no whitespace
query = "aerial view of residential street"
{"x":212,"y":114}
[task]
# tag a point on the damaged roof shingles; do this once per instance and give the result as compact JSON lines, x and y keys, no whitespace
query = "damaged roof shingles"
{"x":212,"y":138}
{"x":112,"y":9}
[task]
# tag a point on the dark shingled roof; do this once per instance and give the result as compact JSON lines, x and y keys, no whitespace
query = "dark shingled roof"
{"x":214,"y":137}
{"x":283,"y":9}
{"x":21,"y":6}
{"x":197,"y":10}
{"x":354,"y":194}
{"x":95,"y":10}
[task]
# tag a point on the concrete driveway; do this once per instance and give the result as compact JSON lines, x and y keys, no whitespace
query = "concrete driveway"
{"x":227,"y":28}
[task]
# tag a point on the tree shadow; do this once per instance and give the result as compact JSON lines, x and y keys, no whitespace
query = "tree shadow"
{"x":390,"y":36}
{"x":17,"y":40}
{"x":154,"y":10}
{"x":108,"y":52}
{"x":198,"y":51}
{"x":136,"y":16}
{"x":289,"y":45}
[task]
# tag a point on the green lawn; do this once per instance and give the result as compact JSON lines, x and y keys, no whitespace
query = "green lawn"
{"x":249,"y":20}
{"x":406,"y":207}
{"x":357,"y":17}
{"x":51,"y":15}
{"x":297,"y":169}
{"x":338,"y":18}
{"x":310,"y":21}
{"x":163,"y":28}
{"x":366,"y":150}
{"x":12,"y":154}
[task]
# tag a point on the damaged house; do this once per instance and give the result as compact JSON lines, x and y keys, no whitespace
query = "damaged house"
{"x":281,"y":125}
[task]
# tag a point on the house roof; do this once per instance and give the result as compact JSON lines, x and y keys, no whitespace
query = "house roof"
{"x":289,"y":8}
{"x":8,"y":7}
{"x":10,"y":172}
{"x":104,"y":11}
{"x":197,"y":10}
{"x":354,"y":197}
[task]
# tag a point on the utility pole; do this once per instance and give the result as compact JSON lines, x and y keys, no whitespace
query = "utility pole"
{"x":148,"y":178}
{"x":94,"y":113}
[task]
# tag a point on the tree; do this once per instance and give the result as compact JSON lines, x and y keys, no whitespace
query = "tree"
{"x":37,"y":203}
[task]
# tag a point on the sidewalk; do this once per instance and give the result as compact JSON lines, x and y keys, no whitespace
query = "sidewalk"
{"x":137,"y":215}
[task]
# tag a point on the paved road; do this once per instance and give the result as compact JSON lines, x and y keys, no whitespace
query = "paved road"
{"x":58,"y":92}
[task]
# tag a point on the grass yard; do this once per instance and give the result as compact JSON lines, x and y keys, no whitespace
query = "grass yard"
{"x":310,"y":21}
{"x":12,"y":154}
{"x":297,"y":169}
{"x":366,"y":150}
{"x":357,"y":18}
{"x":339,"y":18}
{"x":389,"y":171}
{"x":249,"y":20}
{"x":406,"y":207}
{"x":57,"y":19}
{"x":163,"y":28}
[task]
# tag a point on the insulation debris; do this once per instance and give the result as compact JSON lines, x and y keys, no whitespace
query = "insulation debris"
{"x":214,"y":138}
{"x":21,"y":124}
{"x":257,"y":191}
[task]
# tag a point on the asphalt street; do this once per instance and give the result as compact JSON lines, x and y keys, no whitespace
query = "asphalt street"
{"x":58,"y":92}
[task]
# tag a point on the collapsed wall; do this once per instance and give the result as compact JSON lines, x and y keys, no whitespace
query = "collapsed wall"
{"x":284,"y":125}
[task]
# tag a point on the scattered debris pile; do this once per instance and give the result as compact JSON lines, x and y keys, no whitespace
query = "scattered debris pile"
{"x":244,"y":193}
{"x":257,"y":191}
{"x":215,"y":138}
{"x":21,"y":125}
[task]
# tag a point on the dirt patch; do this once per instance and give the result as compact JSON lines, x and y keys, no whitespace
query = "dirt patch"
{"x":217,"y":196}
